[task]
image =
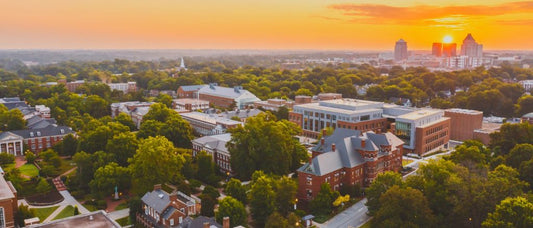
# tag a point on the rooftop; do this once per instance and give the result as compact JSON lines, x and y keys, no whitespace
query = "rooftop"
{"x":464,"y":111}
{"x":212,"y":119}
{"x":415,"y":115}
{"x":97,"y":219}
{"x":6,"y":189}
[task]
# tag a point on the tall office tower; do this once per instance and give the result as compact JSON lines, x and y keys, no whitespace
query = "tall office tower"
{"x":437,"y":49}
{"x":400,"y":50}
{"x":471,"y":48}
{"x":449,"y":49}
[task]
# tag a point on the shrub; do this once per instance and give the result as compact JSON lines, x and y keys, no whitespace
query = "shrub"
{"x":6,"y":159}
{"x":30,"y":157}
{"x":101,"y":204}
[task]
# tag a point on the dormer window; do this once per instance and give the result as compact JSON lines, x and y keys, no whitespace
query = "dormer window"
{"x":31,"y":134}
{"x":62,"y":131}
{"x":38,"y":133}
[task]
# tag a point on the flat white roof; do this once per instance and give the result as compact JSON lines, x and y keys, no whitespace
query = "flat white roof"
{"x":318,"y":107}
{"x":418,"y":114}
{"x":465,"y":111}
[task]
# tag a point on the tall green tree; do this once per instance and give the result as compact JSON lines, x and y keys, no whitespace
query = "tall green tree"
{"x":322,"y":204}
{"x":262,"y":200}
{"x":265,"y":144}
{"x":235,"y":189}
{"x":380,"y":185}
{"x":123,"y":146}
{"x":108,"y":177}
{"x":156,"y":161}
{"x":511,"y":212}
{"x":233,"y":209}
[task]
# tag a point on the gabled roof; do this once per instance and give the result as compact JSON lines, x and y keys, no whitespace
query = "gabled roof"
{"x":8,"y":136}
{"x":157,"y":199}
{"x":217,"y":142}
{"x":226,"y":92}
{"x":529,"y":115}
{"x":189,"y":88}
{"x":199,"y":222}
{"x":37,"y":122}
{"x":347,"y":144}
{"x":50,"y":130}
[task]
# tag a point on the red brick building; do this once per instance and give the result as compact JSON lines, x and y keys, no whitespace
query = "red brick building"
{"x":41,"y":139}
{"x":163,"y":209}
{"x":190,"y":91}
{"x":463,"y":123}
{"x":527,"y":118}
{"x":348,"y":157}
{"x":8,"y":203}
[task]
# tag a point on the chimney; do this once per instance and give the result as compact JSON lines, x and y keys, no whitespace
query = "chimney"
{"x":333,"y":147}
{"x":363,"y":143}
{"x":206,"y":224}
{"x":173,"y":196}
{"x":225,"y":222}
{"x":157,"y":187}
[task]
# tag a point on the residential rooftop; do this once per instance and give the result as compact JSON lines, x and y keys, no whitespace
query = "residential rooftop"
{"x":97,"y":219}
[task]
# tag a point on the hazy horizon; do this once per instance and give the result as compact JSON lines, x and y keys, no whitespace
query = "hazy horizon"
{"x":263,"y":25}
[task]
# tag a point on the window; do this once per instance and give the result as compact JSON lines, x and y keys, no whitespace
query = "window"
{"x":2,"y":218}
{"x":172,"y":222}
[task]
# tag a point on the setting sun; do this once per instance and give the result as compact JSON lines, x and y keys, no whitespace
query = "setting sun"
{"x":447,"y":39}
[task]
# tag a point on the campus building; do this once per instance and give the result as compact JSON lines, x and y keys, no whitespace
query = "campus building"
{"x":40,"y":139}
{"x":208,"y":124}
{"x":215,"y":145}
{"x":348,"y":158}
{"x":126,"y":87}
{"x":163,"y":209}
{"x":463,"y":123}
{"x":423,"y":131}
{"x":8,"y":203}
{"x":189,"y":104}
{"x":96,"y":219}
{"x":135,"y":109}
{"x":339,"y":113}
{"x":190,"y":91}
{"x":274,"y":104}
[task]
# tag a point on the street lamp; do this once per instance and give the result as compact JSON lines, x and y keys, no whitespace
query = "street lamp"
{"x":295,"y":203}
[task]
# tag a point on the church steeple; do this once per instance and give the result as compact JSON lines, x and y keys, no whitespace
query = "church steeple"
{"x":182,"y":64}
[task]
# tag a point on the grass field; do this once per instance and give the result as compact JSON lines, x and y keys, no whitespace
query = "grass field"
{"x":90,"y":207}
{"x":43,"y":213}
{"x":29,"y":170}
{"x":122,"y":206}
{"x":124,"y":221}
{"x":406,"y":162}
{"x":66,"y":212}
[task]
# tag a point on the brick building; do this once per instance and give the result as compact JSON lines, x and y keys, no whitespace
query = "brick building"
{"x":348,"y":157}
{"x":163,"y":209}
{"x":8,"y":203}
{"x":190,"y":91}
{"x":527,"y":118}
{"x":423,"y":131}
{"x":189,"y":104}
{"x":463,"y":123}
{"x":227,"y":97}
{"x":339,"y":113}
{"x":215,"y":145}
{"x":274,"y":104}
{"x":206,"y":124}
{"x":41,"y":139}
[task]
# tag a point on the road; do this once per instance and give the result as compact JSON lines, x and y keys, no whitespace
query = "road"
{"x":354,"y":216}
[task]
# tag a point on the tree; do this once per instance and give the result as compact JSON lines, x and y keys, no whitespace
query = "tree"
{"x":178,"y":131}
{"x":403,"y":208}
{"x":276,"y":220}
{"x":235,"y":189}
{"x":164,"y":99}
{"x":6,"y":158}
{"x":264,"y":144}
{"x":511,"y":212}
{"x":135,"y":206}
{"x":23,"y":212}
{"x":208,"y":205}
{"x":11,"y":120}
{"x":158,"y":112}
{"x":322,"y":204}
{"x":380,"y":185}
{"x":156,"y":161}
{"x":30,"y":157}
{"x":76,"y":211}
{"x":233,"y":209}
{"x":43,"y":186}
{"x":126,"y":120}
{"x":123,"y":147}
{"x":149,"y":128}
{"x":96,"y":106}
{"x":69,"y":145}
{"x":526,"y":172}
{"x":262,"y":200}
{"x":285,"y":189}
{"x":520,"y":153}
{"x":108,"y":177}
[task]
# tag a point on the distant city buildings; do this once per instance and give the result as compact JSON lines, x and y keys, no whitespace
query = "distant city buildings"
{"x":471,"y":48}
{"x":400,"y":50}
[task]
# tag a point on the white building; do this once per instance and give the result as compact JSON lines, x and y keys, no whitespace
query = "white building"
{"x":527,"y":84}
{"x":11,"y":143}
{"x":127,"y":87}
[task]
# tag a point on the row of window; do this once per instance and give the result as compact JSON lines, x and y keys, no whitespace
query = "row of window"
{"x":434,"y":130}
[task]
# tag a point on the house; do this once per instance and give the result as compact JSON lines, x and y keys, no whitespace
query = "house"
{"x":348,"y":157}
{"x":215,"y":145}
{"x":8,"y":203}
{"x":163,"y":209}
{"x":43,"y":138}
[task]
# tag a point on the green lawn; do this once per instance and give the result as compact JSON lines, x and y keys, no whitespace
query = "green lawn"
{"x":124,"y":221}
{"x":66,"y":212}
{"x":121,"y":206}
{"x":366,"y":225}
{"x":43,"y":213}
{"x":406,"y":162}
{"x":29,"y":170}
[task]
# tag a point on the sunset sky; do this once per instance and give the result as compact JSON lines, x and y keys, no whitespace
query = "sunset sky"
{"x":268,"y":24}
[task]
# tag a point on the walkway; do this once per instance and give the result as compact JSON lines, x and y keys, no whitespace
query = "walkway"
{"x":119,"y":214}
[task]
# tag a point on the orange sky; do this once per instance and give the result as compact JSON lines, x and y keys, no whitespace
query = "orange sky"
{"x":268,"y":24}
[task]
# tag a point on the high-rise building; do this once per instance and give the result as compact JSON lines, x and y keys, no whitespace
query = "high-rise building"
{"x":449,"y":49}
{"x":437,"y":49}
{"x":471,"y":48}
{"x":400,"y":50}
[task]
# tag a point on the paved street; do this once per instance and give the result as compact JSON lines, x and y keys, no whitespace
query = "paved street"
{"x":354,"y":216}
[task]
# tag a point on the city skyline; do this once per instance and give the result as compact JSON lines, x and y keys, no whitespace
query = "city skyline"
{"x":236,"y":24}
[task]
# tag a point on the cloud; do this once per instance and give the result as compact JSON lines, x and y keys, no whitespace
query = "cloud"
{"x":443,"y":16}
{"x":516,"y":22}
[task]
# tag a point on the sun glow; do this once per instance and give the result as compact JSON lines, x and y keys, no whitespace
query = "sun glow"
{"x":447,"y":39}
